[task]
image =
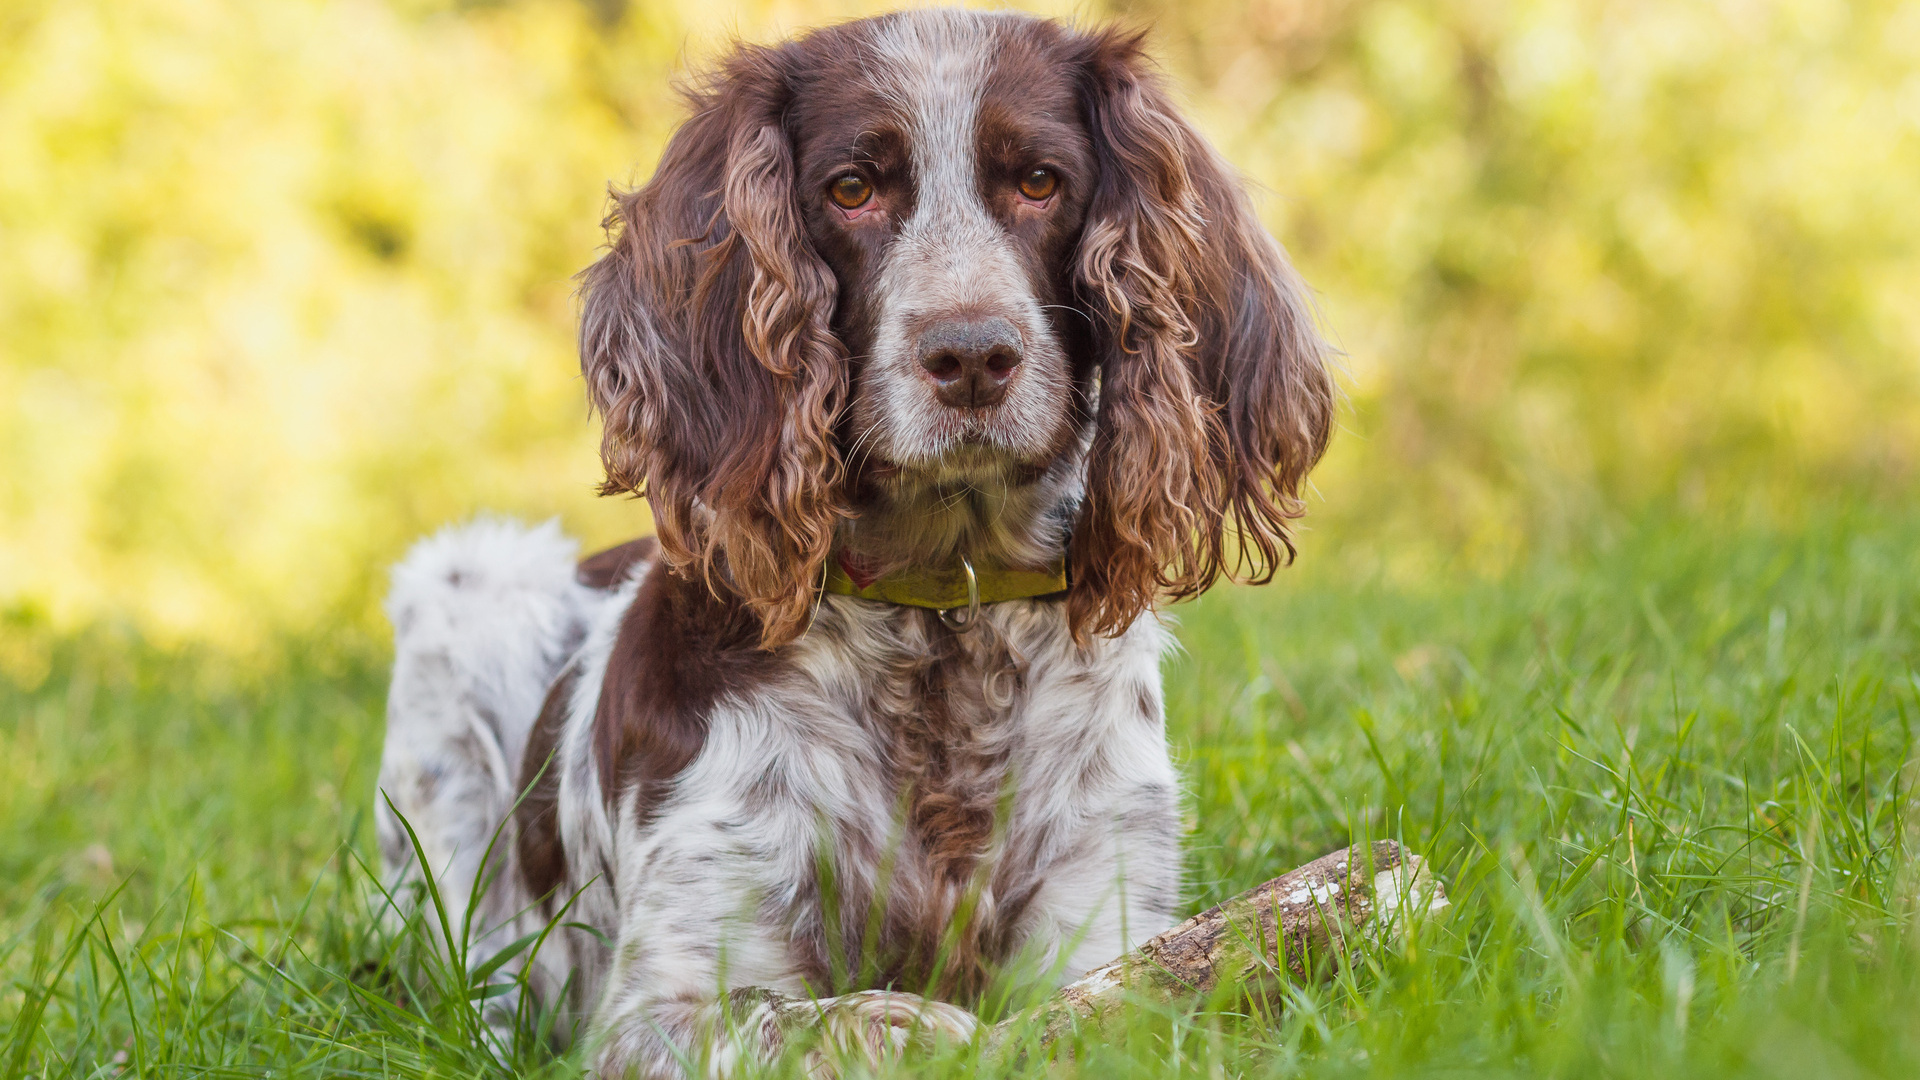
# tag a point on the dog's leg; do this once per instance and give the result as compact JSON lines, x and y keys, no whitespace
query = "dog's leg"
{"x":722,"y":1036}
{"x":484,"y":615}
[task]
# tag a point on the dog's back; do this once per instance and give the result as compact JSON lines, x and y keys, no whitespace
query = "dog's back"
{"x":484,"y":615}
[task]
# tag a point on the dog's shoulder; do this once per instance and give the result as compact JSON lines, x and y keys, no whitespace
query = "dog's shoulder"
{"x":605,"y":570}
{"x":668,"y":648}
{"x":680,"y":649}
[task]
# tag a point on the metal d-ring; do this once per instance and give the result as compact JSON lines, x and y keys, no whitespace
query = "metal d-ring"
{"x":973,"y":600}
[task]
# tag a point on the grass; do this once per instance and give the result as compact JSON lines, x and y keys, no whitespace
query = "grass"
{"x":1665,"y":779}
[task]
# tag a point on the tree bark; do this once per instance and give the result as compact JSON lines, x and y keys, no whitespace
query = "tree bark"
{"x":1302,"y":919}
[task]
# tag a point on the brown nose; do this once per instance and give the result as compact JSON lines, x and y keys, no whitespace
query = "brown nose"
{"x":971,"y":360}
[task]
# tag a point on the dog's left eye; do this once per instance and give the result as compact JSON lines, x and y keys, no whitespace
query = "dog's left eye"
{"x":1039,"y":184}
{"x":850,"y":192}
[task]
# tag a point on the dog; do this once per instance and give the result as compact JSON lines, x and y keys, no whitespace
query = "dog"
{"x":944,"y":351}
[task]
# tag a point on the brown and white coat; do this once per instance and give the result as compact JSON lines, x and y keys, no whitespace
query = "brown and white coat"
{"x":930,"y":286}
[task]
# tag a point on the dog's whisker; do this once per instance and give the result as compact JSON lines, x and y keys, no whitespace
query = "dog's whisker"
{"x":854,"y":453}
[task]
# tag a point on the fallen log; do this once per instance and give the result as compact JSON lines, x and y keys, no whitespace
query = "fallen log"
{"x":1302,"y":920}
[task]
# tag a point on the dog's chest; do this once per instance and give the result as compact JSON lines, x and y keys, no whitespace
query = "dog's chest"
{"x":932,"y":844}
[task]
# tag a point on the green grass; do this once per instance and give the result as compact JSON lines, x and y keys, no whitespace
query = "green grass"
{"x":1665,"y":780}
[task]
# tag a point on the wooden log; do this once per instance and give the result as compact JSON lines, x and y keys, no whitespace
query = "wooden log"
{"x":1302,"y":919}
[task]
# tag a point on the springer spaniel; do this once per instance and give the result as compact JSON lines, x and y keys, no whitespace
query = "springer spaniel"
{"x":943,"y":349}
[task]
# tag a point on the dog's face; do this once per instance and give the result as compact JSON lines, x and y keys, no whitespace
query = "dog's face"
{"x":942,"y":254}
{"x":944,"y":178}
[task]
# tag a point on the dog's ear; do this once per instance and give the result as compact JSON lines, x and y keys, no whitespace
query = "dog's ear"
{"x":706,"y":347}
{"x":1215,"y":399}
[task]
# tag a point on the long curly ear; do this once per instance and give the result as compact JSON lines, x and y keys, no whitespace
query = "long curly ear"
{"x":706,"y":347}
{"x":1215,"y":398}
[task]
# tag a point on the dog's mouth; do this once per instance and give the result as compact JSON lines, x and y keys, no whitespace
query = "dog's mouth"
{"x":973,"y":460}
{"x":991,"y":431}
{"x":966,"y":438}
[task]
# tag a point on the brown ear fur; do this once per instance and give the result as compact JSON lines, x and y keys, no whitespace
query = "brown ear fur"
{"x":705,"y":345}
{"x":1215,"y":398}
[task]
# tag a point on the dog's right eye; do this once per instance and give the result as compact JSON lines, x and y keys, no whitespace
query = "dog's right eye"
{"x":850,"y":192}
{"x":1039,"y":185}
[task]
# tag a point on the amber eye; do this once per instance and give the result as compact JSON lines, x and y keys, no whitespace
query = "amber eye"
{"x":1039,"y":184}
{"x":849,"y":192}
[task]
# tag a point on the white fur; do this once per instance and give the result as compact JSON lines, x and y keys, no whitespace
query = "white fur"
{"x":484,"y":616}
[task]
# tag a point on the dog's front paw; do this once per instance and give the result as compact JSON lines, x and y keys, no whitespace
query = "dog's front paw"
{"x":873,"y":1027}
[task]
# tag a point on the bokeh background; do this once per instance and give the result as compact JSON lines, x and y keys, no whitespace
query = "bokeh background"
{"x":1607,"y":605}
{"x":284,"y":285}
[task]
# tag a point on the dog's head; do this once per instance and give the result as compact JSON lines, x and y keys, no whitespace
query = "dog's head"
{"x":949,"y":276}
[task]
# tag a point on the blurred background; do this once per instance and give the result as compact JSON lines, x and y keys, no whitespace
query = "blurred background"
{"x":284,"y":285}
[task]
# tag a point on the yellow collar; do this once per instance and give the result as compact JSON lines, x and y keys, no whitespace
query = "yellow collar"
{"x":947,"y":590}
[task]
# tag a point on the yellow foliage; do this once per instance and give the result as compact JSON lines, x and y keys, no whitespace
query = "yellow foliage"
{"x":1587,"y":253}
{"x":285,"y":284}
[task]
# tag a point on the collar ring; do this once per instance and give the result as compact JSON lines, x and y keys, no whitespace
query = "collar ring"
{"x":973,"y":600}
